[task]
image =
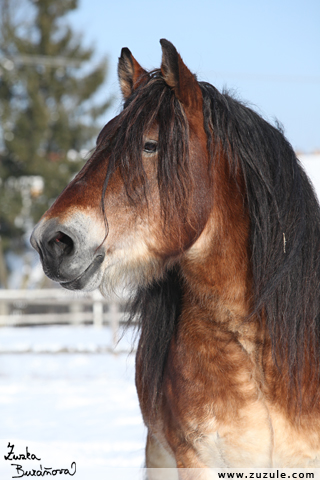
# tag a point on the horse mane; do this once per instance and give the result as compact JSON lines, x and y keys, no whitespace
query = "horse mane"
{"x":156,"y":308}
{"x":285,"y":231}
{"x":284,"y":222}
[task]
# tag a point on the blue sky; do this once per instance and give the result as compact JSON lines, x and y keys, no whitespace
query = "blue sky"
{"x":268,"y":52}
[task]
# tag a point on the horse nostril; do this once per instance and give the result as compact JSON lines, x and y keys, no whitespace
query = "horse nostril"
{"x":62,"y":243}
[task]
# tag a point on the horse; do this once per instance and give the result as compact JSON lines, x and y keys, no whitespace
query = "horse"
{"x":200,"y":206}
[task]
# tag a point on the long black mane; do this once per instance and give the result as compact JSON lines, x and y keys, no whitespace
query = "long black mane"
{"x":284,"y":221}
{"x":285,"y":230}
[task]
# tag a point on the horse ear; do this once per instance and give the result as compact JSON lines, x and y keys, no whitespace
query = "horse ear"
{"x":179,"y":77}
{"x":131,"y":74}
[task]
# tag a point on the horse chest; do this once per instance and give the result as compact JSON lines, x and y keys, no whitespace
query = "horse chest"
{"x":213,"y":414}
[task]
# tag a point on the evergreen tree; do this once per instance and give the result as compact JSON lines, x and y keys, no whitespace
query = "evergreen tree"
{"x":47,"y":111}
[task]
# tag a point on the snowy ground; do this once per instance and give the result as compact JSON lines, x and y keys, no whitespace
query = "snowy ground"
{"x":68,"y":408}
{"x":311,"y":164}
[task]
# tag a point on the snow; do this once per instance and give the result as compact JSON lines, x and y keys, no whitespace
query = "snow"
{"x":311,"y":164}
{"x":80,"y":407}
{"x":60,"y":339}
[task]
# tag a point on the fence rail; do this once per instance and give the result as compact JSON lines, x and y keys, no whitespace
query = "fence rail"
{"x":23,"y":307}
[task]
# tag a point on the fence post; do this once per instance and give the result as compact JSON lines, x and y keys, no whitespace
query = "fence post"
{"x":114,"y":319}
{"x":4,"y":307}
{"x":97,"y":308}
{"x":75,"y":308}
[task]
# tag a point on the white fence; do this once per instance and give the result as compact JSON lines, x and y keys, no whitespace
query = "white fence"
{"x":58,"y":307}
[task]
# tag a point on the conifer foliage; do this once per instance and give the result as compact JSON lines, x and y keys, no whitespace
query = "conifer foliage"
{"x":48,"y":115}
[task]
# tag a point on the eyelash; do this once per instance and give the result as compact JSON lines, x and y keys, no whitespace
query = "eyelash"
{"x":150,"y":147}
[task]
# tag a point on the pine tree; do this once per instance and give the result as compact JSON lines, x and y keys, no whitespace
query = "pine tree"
{"x":48,"y":115}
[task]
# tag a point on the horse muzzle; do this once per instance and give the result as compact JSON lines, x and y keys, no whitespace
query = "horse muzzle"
{"x":66,"y":254}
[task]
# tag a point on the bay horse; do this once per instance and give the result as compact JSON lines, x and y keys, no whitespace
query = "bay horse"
{"x":201,"y":207}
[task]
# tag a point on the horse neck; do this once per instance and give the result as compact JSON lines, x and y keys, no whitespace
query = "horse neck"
{"x":216,"y":268}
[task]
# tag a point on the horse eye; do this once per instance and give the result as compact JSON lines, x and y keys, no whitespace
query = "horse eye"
{"x":150,"y":147}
